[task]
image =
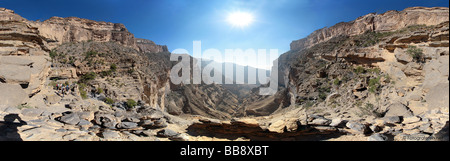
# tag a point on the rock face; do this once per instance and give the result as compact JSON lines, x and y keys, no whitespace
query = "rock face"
{"x":23,"y":59}
{"x":57,"y":30}
{"x":389,"y":21}
{"x":147,"y":46}
{"x":11,"y":95}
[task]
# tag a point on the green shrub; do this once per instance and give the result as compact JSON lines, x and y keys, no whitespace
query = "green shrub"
{"x":88,"y":77}
{"x":376,"y":71}
{"x":83,"y":94}
{"x":53,"y":83}
{"x":322,"y":95}
{"x":90,"y":54}
{"x":53,"y":54}
{"x":113,"y":67}
{"x":337,"y":82}
{"x":109,"y":101}
{"x":81,"y":88}
{"x":360,"y":70}
{"x":99,"y":90}
{"x":106,"y":73}
{"x":416,"y":53}
{"x":131,"y":103}
{"x":374,"y":84}
{"x":308,"y":104}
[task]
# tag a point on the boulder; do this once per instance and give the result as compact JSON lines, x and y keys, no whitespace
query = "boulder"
{"x":356,"y":127}
{"x":11,"y":95}
{"x":377,"y":137}
{"x":86,"y":115}
{"x":70,"y":118}
{"x":410,"y":120}
{"x":109,"y":134}
{"x":154,"y":124}
{"x":402,"y":56}
{"x":320,"y":122}
{"x":398,"y":109}
{"x":167,"y":133}
{"x":127,"y":125}
{"x":438,"y":96}
{"x":106,"y":120}
{"x":52,"y":99}
{"x":32,"y":112}
{"x":15,"y":74}
{"x":84,"y":123}
{"x":337,"y":122}
{"x":418,"y":107}
{"x":292,"y":124}
{"x":392,"y":119}
{"x":277,"y":126}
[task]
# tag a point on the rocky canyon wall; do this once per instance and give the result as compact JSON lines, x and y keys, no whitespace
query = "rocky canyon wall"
{"x":389,"y":21}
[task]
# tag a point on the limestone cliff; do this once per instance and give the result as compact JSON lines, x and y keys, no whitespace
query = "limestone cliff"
{"x":344,"y":66}
{"x":389,"y":21}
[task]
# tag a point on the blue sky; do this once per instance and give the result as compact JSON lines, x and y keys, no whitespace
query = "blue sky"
{"x":176,"y":23}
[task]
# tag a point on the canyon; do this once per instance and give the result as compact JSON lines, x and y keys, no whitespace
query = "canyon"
{"x":380,"y":77}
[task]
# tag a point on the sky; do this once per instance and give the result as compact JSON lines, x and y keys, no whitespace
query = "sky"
{"x":177,"y":23}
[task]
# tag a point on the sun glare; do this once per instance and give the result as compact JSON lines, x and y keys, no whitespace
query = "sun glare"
{"x":240,"y":19}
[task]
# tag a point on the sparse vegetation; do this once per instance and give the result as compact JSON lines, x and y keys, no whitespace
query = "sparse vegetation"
{"x":20,"y":107}
{"x":81,"y":88}
{"x":99,"y":90}
{"x":53,"y":54}
{"x":106,"y":73}
{"x":109,"y":101}
{"x":416,"y":54}
{"x":322,"y":95}
{"x":374,"y":84}
{"x":376,"y":71}
{"x":53,"y":83}
{"x":88,"y":77}
{"x":359,"y":70}
{"x":337,"y":82}
{"x":90,"y":54}
{"x":131,"y":103}
{"x":308,"y":104}
{"x":83,"y":94}
{"x":113,"y":67}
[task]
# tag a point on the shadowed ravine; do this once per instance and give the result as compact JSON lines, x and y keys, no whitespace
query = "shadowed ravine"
{"x":237,"y":130}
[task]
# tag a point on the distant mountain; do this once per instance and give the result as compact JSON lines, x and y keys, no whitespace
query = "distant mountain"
{"x":238,"y":70}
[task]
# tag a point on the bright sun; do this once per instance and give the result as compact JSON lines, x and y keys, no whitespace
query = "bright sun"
{"x":240,"y":19}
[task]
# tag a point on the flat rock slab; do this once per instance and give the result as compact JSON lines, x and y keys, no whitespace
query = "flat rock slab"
{"x":109,"y":134}
{"x":15,"y":60}
{"x":11,"y":95}
{"x":32,"y":112}
{"x":15,"y":74}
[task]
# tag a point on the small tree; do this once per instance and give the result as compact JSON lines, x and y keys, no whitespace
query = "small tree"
{"x":416,"y":54}
{"x":113,"y":67}
{"x":109,"y":101}
{"x":88,"y":77}
{"x":131,"y":103}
